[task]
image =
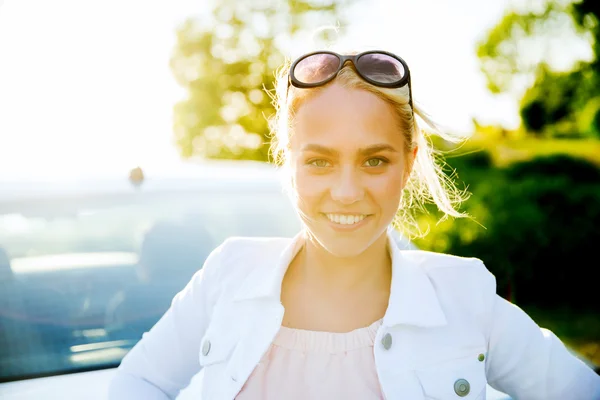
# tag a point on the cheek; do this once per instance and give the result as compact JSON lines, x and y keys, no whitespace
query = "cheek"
{"x":387,"y":188}
{"x":308,"y":187}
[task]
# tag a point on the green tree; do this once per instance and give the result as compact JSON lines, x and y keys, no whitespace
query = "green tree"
{"x":558,"y":102}
{"x":518,"y":48}
{"x":226,"y":66}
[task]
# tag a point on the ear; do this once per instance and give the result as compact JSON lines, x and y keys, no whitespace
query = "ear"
{"x":410,"y":162}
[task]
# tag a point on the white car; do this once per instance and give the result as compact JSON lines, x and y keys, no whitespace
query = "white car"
{"x":86,"y":267}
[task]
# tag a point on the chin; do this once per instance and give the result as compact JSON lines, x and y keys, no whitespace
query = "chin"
{"x":343,"y":248}
{"x":344,"y":244}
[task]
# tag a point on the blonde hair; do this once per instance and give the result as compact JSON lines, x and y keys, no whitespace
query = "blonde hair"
{"x":427,"y":182}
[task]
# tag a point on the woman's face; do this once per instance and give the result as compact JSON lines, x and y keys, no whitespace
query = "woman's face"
{"x":349,"y":166}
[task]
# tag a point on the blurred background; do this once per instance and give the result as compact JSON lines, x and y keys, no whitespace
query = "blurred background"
{"x":92,"y":89}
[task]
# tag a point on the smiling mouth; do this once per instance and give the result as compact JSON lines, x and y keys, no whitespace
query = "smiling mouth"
{"x":346,"y":219}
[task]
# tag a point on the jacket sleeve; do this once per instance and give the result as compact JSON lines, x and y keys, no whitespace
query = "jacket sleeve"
{"x":164,"y":361}
{"x":529,"y":362}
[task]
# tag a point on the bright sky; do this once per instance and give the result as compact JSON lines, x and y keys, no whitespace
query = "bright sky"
{"x":85,"y":86}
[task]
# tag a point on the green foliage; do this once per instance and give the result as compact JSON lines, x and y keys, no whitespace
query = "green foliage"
{"x":553,"y":105}
{"x":589,"y":117}
{"x":561,"y":166}
{"x":500,"y":51}
{"x":580,"y":329}
{"x":555,"y":102}
{"x":540,"y":220}
{"x":473,"y":160}
{"x":548,"y":100}
{"x":226,"y":66}
{"x":586,"y":15}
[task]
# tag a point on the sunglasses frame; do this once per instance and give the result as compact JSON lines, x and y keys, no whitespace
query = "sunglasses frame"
{"x":353,"y":59}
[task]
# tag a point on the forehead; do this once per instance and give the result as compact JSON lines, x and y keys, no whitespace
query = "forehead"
{"x":345,"y":118}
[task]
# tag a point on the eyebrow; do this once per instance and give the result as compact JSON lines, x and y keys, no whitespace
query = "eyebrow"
{"x":376,"y":148}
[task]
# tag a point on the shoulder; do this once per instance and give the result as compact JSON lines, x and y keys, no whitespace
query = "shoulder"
{"x":448,"y":266}
{"x":252,"y":250}
{"x":456,"y":279}
{"x":236,"y":257}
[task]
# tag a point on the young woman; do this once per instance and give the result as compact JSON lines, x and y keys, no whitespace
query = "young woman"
{"x":340,"y":312}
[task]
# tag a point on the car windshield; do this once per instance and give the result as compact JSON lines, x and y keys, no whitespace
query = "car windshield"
{"x":81,"y":279}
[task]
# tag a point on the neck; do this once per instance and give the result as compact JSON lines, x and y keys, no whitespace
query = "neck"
{"x":370,"y":268}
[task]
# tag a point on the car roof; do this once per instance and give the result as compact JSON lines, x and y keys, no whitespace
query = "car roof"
{"x":184,"y":176}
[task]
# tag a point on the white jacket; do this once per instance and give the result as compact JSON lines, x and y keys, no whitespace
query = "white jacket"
{"x":444,"y":317}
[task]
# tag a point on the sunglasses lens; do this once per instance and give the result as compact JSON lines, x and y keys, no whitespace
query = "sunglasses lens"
{"x":316,"y":68}
{"x":381,"y":68}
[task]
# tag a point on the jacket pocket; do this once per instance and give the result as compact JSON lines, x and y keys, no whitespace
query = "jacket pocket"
{"x":215,"y":349}
{"x":463,"y":378}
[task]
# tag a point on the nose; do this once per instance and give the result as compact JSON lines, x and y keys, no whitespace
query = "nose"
{"x":347,"y":187}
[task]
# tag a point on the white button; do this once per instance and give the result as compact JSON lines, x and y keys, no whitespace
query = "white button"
{"x":387,"y":341}
{"x":206,"y":347}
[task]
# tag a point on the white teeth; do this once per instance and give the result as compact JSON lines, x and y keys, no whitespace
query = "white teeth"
{"x":346,"y":219}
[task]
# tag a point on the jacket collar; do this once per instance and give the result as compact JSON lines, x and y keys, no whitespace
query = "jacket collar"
{"x":413,"y":299}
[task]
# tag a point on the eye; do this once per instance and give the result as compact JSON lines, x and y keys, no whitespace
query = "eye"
{"x":375,"y":162}
{"x":319,"y":163}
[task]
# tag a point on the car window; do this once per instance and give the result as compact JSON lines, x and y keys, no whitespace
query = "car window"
{"x":82,"y":278}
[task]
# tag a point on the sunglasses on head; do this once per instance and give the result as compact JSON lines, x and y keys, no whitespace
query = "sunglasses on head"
{"x":379,"y":68}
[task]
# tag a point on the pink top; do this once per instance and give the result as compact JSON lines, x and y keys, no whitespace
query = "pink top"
{"x":302,"y":364}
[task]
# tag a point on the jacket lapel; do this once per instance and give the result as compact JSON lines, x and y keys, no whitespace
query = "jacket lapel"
{"x":413,"y":301}
{"x":264,"y":282}
{"x":258,"y":302}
